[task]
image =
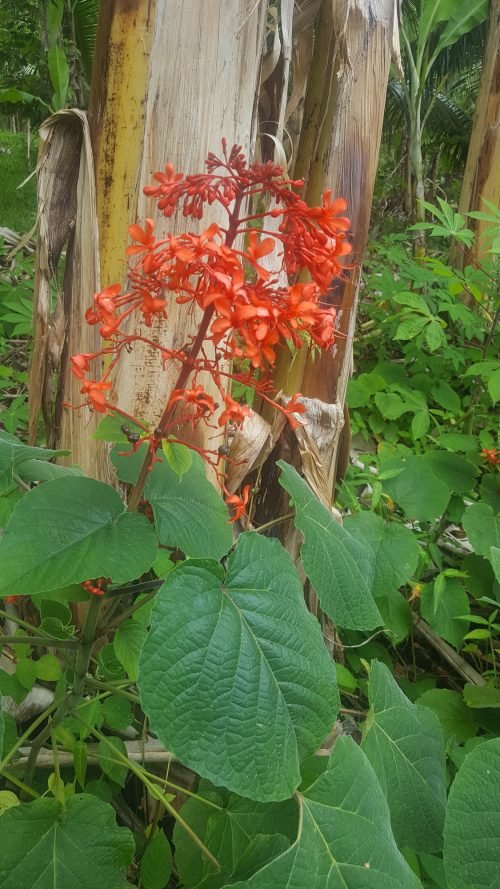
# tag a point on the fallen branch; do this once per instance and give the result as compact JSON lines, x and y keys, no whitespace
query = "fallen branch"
{"x":447,"y":652}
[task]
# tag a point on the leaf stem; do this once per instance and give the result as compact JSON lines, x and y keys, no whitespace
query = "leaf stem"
{"x":112,"y":689}
{"x":280,"y":521}
{"x":38,"y":641}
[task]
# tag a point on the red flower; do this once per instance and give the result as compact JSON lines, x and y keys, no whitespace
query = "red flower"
{"x":145,"y":238}
{"x":80,"y":364}
{"x":237,"y":504}
{"x":234,"y":412}
{"x":94,"y":391}
{"x":197,"y":396}
{"x":491,"y":456}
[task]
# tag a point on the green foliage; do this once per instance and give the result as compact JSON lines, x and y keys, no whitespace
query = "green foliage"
{"x":219,"y":650}
{"x":471,"y":855}
{"x":60,"y":837}
{"x":18,"y":208}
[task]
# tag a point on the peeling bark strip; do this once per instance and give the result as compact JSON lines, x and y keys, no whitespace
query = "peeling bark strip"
{"x":67,"y":221}
{"x":169,"y":81}
{"x":482,"y":170}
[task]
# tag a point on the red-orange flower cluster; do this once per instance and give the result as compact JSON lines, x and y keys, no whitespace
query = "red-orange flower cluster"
{"x":247,"y":311}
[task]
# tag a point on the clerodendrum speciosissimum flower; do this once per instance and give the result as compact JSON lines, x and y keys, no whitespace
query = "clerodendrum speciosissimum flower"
{"x":246,"y":309}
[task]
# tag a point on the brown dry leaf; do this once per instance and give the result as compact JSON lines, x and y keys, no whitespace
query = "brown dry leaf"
{"x":67,"y":222}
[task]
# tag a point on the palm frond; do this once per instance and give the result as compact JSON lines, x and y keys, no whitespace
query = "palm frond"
{"x":85,"y":14}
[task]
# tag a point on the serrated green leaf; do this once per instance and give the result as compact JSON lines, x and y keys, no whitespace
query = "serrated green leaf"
{"x":344,"y":839}
{"x":495,"y":561}
{"x":128,"y":642}
{"x":471,"y":850}
{"x":338,"y":565}
{"x":156,"y":863}
{"x":411,"y":327}
{"x":237,"y":655}
{"x":434,"y":336}
{"x":414,"y":300}
{"x":493,"y":386}
{"x":420,"y":424}
{"x":76,"y":845}
{"x":446,"y":396}
{"x":404,"y":744}
{"x":69,"y":530}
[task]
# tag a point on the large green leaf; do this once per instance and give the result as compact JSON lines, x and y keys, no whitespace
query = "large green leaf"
{"x":452,"y":713}
{"x":339,"y":566}
{"x":482,"y":527}
{"x":396,"y":550}
{"x":2,"y":727}
{"x":189,"y":513}
{"x":417,"y":489}
{"x":227,"y":825}
{"x":472,"y":829}
{"x":442,"y":615}
{"x":404,"y":744}
{"x":345,"y":839}
{"x":44,"y":845}
{"x":13,"y":453}
{"x":234,"y":675}
{"x":455,"y":471}
{"x":69,"y":530}
{"x":460,"y":19}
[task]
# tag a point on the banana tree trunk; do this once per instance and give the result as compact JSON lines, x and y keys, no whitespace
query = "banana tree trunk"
{"x":482,"y":170}
{"x":344,"y":109}
{"x":169,"y":81}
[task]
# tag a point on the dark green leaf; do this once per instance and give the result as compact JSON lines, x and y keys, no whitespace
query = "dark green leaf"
{"x":156,"y":863}
{"x":452,"y":713}
{"x":481,"y":697}
{"x":237,"y":656}
{"x":404,"y":744}
{"x":482,"y":527}
{"x":338,"y":565}
{"x":128,"y":642}
{"x":69,"y":530}
{"x":417,"y":489}
{"x":344,"y":839}
{"x":110,"y":763}
{"x":453,"y":602}
{"x":471,"y":848}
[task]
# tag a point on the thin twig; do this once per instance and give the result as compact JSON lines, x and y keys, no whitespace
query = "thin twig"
{"x":447,"y":652}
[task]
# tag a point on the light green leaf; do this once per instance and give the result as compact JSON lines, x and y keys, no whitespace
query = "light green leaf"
{"x":110,"y":429}
{"x":80,"y":761}
{"x":391,"y":405}
{"x":189,"y":513}
{"x":434,"y":336}
{"x":2,"y":727}
{"x":59,"y":75}
{"x":495,"y":561}
{"x":235,"y":655}
{"x":410,"y":327}
{"x":493,"y":385}
{"x":344,"y":839}
{"x":441,"y":615}
{"x":13,"y":453}
{"x":128,"y":642}
{"x":179,"y":457}
{"x":70,"y":530}
{"x":480,"y":697}
{"x":452,"y":713}
{"x":77,"y":845}
{"x":7,"y":798}
{"x":338,"y":565}
{"x":48,"y":668}
{"x":482,"y":527}
{"x":462,"y":19}
{"x":472,"y":829}
{"x":446,"y":396}
{"x":420,"y":424}
{"x":404,"y":744}
{"x":156,"y":863}
{"x":414,"y":300}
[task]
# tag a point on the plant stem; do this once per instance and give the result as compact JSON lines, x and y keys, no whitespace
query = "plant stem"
{"x":128,"y":611}
{"x":113,"y":689}
{"x":81,"y":666}
{"x":39,"y":641}
{"x":28,"y":791}
{"x":279,"y":521}
{"x":26,"y":625}
{"x":27,"y":734}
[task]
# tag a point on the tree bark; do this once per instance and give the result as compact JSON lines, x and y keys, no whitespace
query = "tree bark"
{"x":482,"y":170}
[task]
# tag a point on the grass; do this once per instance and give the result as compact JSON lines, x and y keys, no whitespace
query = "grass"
{"x":17,"y":205}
